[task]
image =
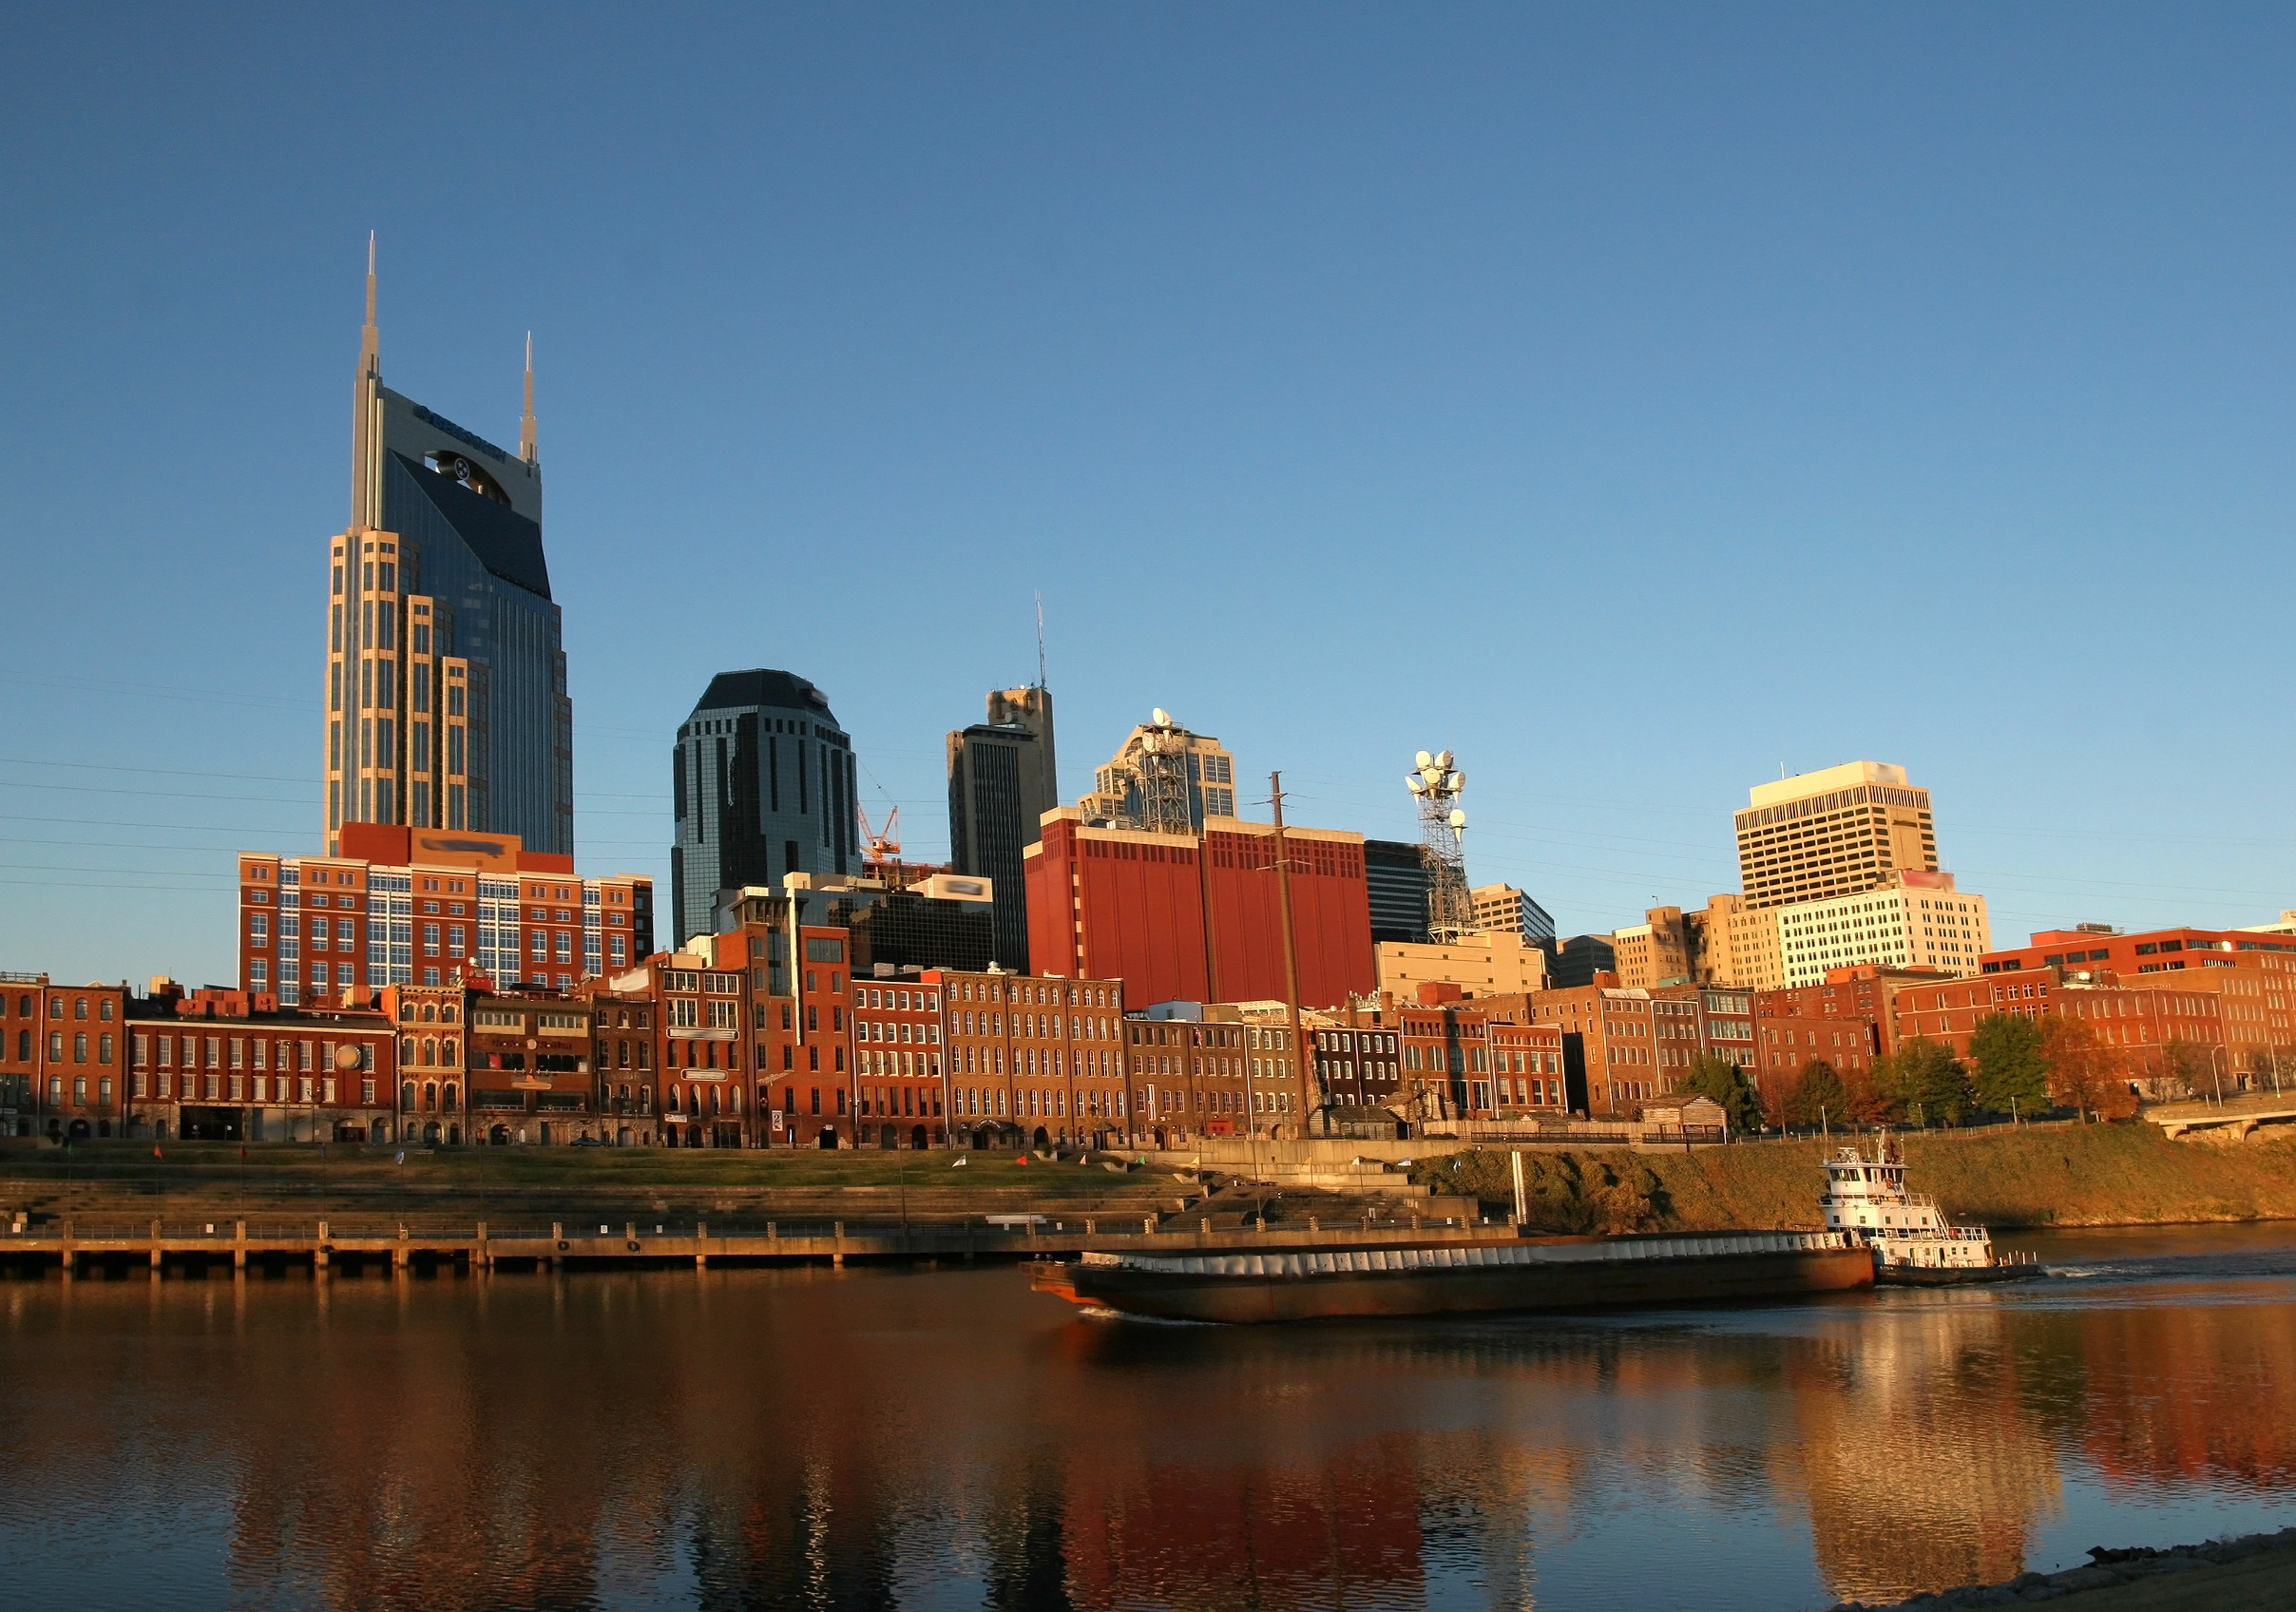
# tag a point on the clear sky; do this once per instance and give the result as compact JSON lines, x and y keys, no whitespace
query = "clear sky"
{"x":1636,"y":400}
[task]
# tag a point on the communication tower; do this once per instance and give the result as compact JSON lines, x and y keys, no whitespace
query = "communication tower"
{"x":1436,"y":785}
{"x":1163,"y":774}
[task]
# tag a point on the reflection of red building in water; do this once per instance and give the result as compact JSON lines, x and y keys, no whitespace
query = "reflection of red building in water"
{"x":1198,"y":916}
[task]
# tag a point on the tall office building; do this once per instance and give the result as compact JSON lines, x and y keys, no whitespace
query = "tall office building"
{"x":1003,"y":777}
{"x":1832,"y":832}
{"x":1397,"y":874}
{"x":1502,"y":908}
{"x":762,"y":786}
{"x":447,"y":703}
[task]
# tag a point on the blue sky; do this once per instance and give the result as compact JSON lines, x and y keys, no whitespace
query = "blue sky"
{"x":1633,"y":399}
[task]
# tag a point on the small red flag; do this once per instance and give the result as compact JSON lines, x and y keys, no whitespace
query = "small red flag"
{"x":155,"y":1150}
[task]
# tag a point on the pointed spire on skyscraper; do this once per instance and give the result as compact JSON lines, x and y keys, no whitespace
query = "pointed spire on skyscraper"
{"x":367,"y":414}
{"x":525,"y":421}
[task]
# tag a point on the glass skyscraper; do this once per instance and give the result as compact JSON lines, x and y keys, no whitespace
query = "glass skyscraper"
{"x":763,"y":785}
{"x":447,"y":703}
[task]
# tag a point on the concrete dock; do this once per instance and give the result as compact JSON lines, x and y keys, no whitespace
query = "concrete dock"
{"x":326,"y":1245}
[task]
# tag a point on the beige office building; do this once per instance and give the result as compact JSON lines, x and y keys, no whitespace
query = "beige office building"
{"x":1832,"y":832}
{"x":1916,"y":921}
{"x":1491,"y":964}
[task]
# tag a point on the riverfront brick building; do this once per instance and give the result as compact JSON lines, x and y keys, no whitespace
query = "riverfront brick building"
{"x":225,"y":1065}
{"x":62,"y":1067}
{"x":2141,"y":1022}
{"x":412,"y":907}
{"x":1195,"y":916}
{"x":1033,"y":1060}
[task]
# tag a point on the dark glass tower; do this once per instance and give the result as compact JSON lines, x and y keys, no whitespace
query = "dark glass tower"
{"x":447,"y":701}
{"x":762,"y":782}
{"x":1001,"y":778}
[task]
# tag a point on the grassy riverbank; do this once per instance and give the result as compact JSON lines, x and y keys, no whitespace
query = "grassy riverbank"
{"x":2123,"y":1175}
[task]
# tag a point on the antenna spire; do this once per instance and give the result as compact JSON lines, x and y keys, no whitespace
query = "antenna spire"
{"x":367,"y":414}
{"x":525,"y":421}
{"x":1040,"y":640}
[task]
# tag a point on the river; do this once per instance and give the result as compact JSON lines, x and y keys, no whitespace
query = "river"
{"x":948,"y":1440}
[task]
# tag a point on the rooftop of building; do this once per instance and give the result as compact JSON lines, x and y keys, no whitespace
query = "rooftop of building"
{"x":1843,"y":776}
{"x":760,"y":686}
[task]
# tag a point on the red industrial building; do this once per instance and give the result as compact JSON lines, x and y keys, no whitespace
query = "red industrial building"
{"x":1198,"y":916}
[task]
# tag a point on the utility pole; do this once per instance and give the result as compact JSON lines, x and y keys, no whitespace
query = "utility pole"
{"x":1283,"y":896}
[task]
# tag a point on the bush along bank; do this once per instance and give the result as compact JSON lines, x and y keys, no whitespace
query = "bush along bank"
{"x":2097,"y":1175}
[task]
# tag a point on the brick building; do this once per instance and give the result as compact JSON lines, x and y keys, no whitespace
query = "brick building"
{"x":1033,"y":1060}
{"x":897,"y":1052}
{"x":1529,"y":1072}
{"x":226,"y":1065}
{"x":2147,"y":951}
{"x":1195,"y":916}
{"x":529,"y":1077}
{"x":1190,"y":1066}
{"x":1611,"y":1043}
{"x":1356,"y":1067}
{"x":2142,"y":1022}
{"x":412,"y":907}
{"x":62,"y":1067}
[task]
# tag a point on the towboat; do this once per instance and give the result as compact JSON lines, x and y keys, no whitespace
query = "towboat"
{"x":1908,"y":1234}
{"x":1487,"y":1275}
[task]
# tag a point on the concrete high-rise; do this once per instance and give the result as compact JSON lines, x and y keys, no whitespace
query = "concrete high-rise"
{"x":1832,"y":832}
{"x":762,"y":785}
{"x":1003,"y":777}
{"x":447,"y":703}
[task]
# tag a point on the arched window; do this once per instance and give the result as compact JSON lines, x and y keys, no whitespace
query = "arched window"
{"x":406,"y":1097}
{"x":673,"y":1101}
{"x":431,"y":1097}
{"x":446,"y":1050}
{"x":714,"y":1101}
{"x":430,"y":1012}
{"x":452,"y":1097}
{"x":406,"y":1049}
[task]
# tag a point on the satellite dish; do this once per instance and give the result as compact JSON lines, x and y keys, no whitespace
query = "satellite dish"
{"x":1433,"y":776}
{"x":1161,"y":717}
{"x":1458,"y":782}
{"x":1424,"y":759}
{"x":1443,"y":760}
{"x":1458,"y":818}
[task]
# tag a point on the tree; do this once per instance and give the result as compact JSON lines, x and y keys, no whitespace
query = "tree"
{"x":2006,"y":1049}
{"x":2084,"y":1073}
{"x":1924,"y":1082}
{"x":1721,"y":1079}
{"x":2189,"y":1065}
{"x":1818,"y":1095}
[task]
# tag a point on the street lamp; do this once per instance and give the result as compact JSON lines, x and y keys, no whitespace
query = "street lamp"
{"x":2215,"y":1070}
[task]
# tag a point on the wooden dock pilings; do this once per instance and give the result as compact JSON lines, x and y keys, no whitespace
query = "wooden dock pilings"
{"x":324,"y":1246}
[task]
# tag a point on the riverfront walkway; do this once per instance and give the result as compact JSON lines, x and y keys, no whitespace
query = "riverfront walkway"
{"x":328,"y":1245}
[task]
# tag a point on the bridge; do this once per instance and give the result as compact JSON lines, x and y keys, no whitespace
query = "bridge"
{"x":2240,"y":1115}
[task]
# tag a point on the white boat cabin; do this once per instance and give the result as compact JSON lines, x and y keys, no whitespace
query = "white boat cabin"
{"x":1867,"y":1198}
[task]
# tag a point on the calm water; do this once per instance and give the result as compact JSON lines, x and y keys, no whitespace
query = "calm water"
{"x":794,"y":1439}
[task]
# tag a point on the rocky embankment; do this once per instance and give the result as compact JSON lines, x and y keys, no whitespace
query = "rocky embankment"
{"x":2236,"y":1575}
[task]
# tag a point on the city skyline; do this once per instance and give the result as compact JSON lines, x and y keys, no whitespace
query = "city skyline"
{"x":1884,"y":422}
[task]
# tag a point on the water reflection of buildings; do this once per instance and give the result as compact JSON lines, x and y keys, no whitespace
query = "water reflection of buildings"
{"x":1920,"y":1456}
{"x":805,"y":1439}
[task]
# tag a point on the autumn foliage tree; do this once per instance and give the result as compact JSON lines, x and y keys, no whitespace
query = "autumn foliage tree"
{"x":2085,"y":1074}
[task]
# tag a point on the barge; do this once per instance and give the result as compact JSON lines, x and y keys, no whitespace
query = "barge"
{"x":1523,"y":1274}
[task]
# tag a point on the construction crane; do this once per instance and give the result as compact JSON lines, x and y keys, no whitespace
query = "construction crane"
{"x":878,"y":847}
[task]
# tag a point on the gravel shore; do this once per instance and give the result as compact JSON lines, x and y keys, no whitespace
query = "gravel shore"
{"x":2248,"y":1574}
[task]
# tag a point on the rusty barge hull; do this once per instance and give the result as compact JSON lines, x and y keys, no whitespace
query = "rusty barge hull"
{"x":1565,"y":1275}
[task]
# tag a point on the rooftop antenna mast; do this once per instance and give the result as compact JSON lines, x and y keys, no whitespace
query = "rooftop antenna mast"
{"x":1040,"y":640}
{"x":1442,"y":826}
